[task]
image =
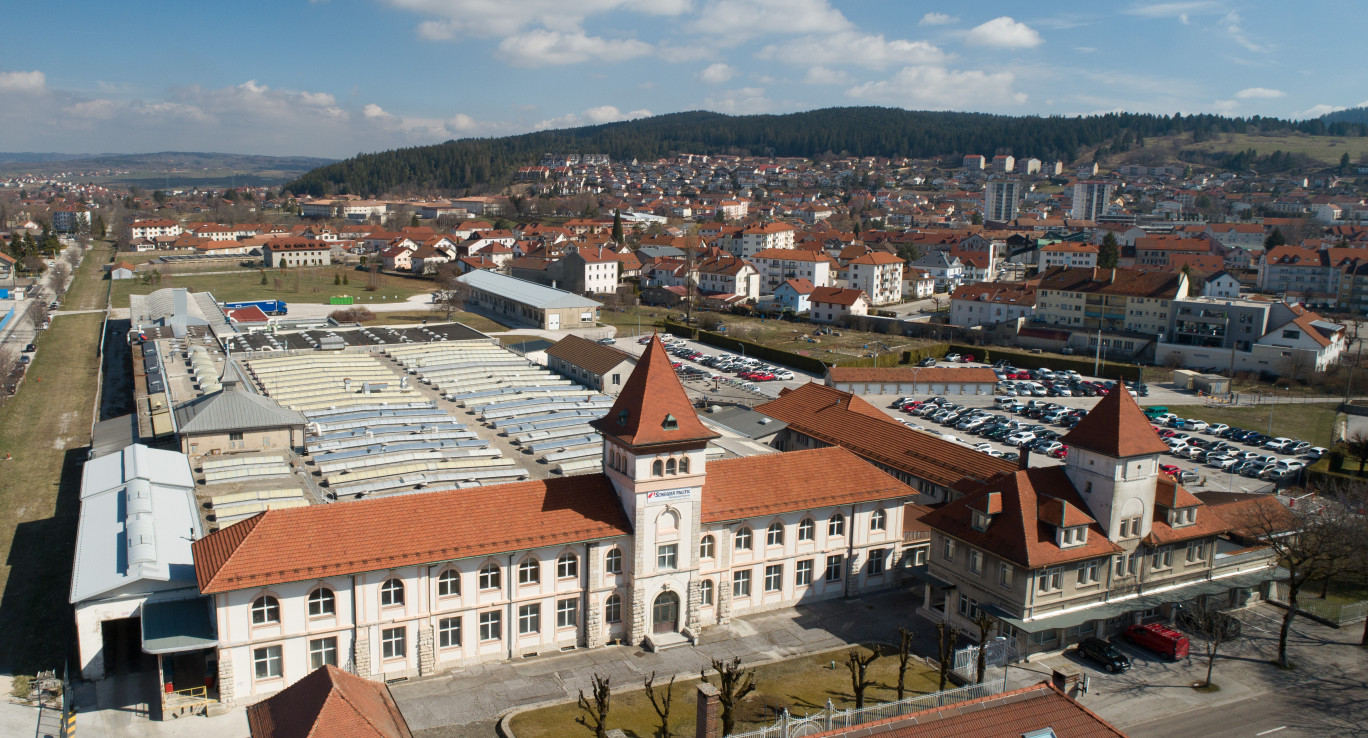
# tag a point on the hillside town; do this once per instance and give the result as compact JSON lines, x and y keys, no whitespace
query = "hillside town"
{"x":1024,"y":458}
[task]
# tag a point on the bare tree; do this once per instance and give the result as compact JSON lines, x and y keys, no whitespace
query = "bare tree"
{"x":905,"y":638}
{"x":1214,"y":628}
{"x":986,"y":625}
{"x":61,"y":272}
{"x":859,"y":673}
{"x":660,"y":702}
{"x":595,"y":714}
{"x":1356,"y":445}
{"x":733,"y":684}
{"x":9,"y":361}
{"x":947,"y":637}
{"x":1313,"y":541}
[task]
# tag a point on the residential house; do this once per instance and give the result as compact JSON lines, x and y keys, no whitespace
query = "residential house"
{"x":1067,"y":254}
{"x":1158,"y":251}
{"x":917,"y":284}
{"x":1222,"y":285}
{"x":833,"y":304}
{"x":150,"y":229}
{"x":760,"y":237}
{"x":878,"y":274}
{"x":724,"y":274}
{"x":990,"y":303}
{"x":398,"y":258}
{"x":778,"y":265}
{"x":794,"y":295}
{"x":1274,"y":338}
{"x":1130,"y":308}
{"x":589,"y":270}
{"x":296,"y":252}
{"x":947,"y":270}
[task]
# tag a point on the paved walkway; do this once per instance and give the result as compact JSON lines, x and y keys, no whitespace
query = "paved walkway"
{"x":467,"y":702}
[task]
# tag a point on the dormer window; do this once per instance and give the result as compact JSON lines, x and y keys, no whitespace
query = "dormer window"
{"x":622,"y":417}
{"x":670,"y":423}
{"x":980,"y":520}
{"x":1075,"y":535}
{"x":1182,"y":516}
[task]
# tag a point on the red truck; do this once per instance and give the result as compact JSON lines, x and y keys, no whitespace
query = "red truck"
{"x":1159,"y":638}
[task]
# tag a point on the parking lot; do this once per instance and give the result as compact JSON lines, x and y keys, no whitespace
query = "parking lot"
{"x":729,"y":386}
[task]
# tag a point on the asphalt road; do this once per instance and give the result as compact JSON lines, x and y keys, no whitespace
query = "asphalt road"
{"x":1332,"y":706}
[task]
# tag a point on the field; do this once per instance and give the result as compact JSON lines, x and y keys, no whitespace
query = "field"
{"x":1326,"y":149}
{"x":303,"y":285}
{"x":1309,"y":422}
{"x":44,"y":431}
{"x":802,"y":685}
{"x":89,"y":288}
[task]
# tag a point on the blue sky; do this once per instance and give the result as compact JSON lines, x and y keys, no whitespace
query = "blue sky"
{"x":337,"y":77}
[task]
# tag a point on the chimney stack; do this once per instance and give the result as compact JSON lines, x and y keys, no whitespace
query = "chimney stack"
{"x":708,"y":723}
{"x":1024,"y":461}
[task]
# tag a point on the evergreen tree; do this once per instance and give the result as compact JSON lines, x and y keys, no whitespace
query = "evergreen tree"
{"x":617,"y":226}
{"x":1110,"y":254}
{"x":1276,"y":238}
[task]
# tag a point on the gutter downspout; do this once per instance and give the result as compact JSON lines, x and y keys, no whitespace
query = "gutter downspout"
{"x":850,"y":551}
{"x":512,"y":588}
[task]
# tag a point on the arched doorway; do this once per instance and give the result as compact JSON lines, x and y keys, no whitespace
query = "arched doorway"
{"x":665,"y":613}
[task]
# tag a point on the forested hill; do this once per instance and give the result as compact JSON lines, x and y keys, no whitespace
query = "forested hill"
{"x":456,"y":166}
{"x":1350,"y":115}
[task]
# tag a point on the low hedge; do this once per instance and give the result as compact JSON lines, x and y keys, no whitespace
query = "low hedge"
{"x":749,"y":348}
{"x":1053,"y":362}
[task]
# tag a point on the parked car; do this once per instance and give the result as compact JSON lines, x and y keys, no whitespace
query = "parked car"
{"x":1315,"y":452}
{"x":952,"y":357}
{"x":607,"y":341}
{"x":928,"y":361}
{"x":30,"y":348}
{"x":1109,"y":656}
{"x":1193,"y":424}
{"x":1161,"y":639}
{"x":1278,"y":444}
{"x":1217,"y":429}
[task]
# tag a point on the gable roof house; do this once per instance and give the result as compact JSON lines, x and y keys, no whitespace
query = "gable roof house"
{"x":1060,"y":553}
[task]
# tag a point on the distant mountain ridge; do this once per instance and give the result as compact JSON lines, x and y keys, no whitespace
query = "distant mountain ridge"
{"x":456,"y":166}
{"x":1348,"y":115}
{"x":169,"y":168}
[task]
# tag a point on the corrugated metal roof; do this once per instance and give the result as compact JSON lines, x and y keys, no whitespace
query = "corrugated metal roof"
{"x":525,"y":292}
{"x":233,"y":409}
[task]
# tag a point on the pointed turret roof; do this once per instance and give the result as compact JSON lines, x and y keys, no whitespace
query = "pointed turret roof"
{"x":653,"y":408}
{"x":1116,"y":427}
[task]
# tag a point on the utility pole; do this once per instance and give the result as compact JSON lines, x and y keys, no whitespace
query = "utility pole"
{"x":1097,"y":360}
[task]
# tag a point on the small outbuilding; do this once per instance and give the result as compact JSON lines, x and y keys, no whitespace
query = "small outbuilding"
{"x":235,"y":420}
{"x":590,"y":363}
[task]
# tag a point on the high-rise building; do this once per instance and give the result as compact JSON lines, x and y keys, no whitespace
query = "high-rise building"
{"x":1090,"y":200}
{"x":1000,"y":199}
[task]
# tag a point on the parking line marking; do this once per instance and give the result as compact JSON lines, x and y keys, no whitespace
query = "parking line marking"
{"x":1274,"y":730}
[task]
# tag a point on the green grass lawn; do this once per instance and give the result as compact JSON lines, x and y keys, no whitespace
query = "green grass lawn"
{"x":1309,"y":422}
{"x":45,"y":429}
{"x":801,"y":685}
{"x":89,"y":287}
{"x":314,"y":285}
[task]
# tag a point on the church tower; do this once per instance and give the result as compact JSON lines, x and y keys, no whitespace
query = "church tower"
{"x":654,"y":453}
{"x":1113,"y":462}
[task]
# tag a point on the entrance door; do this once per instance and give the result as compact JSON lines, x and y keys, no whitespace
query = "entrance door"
{"x":665,"y":613}
{"x":553,"y":322}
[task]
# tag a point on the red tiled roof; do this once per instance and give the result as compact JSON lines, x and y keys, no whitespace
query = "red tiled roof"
{"x":249,"y":314}
{"x":836,"y":295}
{"x":590,"y":355}
{"x":751,"y":486}
{"x":326,"y":540}
{"x":1033,"y":503}
{"x":1015,"y":713}
{"x":652,"y":393}
{"x":1116,"y":427}
{"x":842,"y":419}
{"x":328,"y":703}
{"x":1168,"y":493}
{"x":1112,"y":281}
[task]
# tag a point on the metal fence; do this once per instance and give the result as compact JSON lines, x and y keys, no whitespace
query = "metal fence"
{"x":1333,"y":612}
{"x":997,"y":653}
{"x":791,"y":726}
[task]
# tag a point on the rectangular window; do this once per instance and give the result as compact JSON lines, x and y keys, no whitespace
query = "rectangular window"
{"x":491,"y":625}
{"x":266,"y":662}
{"x":393,"y":643}
{"x":802,"y":573}
{"x":1088,"y":573}
{"x":834,"y":568}
{"x":949,"y":551}
{"x":529,"y":619}
{"x":322,"y":652}
{"x":968,"y":607}
{"x":975,"y":561}
{"x":667,"y":556}
{"x":774,"y":577}
{"x":741,"y":583}
{"x":449,"y":632}
{"x":878,"y":561}
{"x":1050,"y":580}
{"x":1196,"y":551}
{"x":1162,"y":559}
{"x":567,"y":612}
{"x":1005,"y":575}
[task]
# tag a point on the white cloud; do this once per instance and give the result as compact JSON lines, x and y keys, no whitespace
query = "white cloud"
{"x":716,"y":74}
{"x":447,"y":20}
{"x":374,"y":111}
{"x":538,"y":48}
{"x":824,"y":76}
{"x":1231,"y":24}
{"x":592,"y":116}
{"x":937,"y":19}
{"x":938,"y":88}
{"x":742,"y":101}
{"x":1003,"y":32}
{"x":852,"y":48}
{"x":1258,"y":92}
{"x":34,"y":81}
{"x":734,"y":21}
{"x":1179,"y":10}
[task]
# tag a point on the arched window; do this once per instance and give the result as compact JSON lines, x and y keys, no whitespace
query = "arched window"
{"x":658,"y":468}
{"x":705,"y":592}
{"x":743,"y":539}
{"x":670,"y":466}
{"x":612,"y":561}
{"x":775,"y":535}
{"x":567,"y":566}
{"x":684,"y":465}
{"x":807,"y":530}
{"x":878,"y":521}
{"x":449,"y":583}
{"x":322,"y":602}
{"x":836,"y":526}
{"x":707,"y":548}
{"x":612,"y":609}
{"x":489,"y":577}
{"x":391,"y":593}
{"x":529,"y":571}
{"x":265,"y":610}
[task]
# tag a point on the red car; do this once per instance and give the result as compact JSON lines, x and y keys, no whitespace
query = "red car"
{"x":1060,"y":452}
{"x":1022,"y":375}
{"x":1169,"y":469}
{"x":1168,"y":433}
{"x":909,"y":407}
{"x":676,"y":364}
{"x":1101,"y":391}
{"x":761,"y":377}
{"x":968,"y":358}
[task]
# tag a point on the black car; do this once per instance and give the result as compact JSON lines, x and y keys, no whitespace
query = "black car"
{"x":1109,"y":656}
{"x":30,"y":348}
